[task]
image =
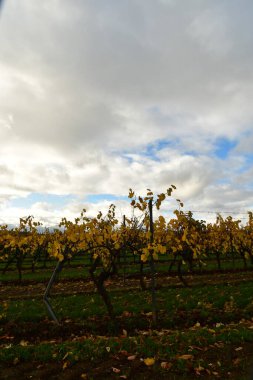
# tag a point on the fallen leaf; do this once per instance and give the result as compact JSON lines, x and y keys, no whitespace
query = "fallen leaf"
{"x":131,"y":357}
{"x":185,"y":357}
{"x":166,"y":365}
{"x":196,"y":348}
{"x":116,"y":370}
{"x":126,"y":313}
{"x":149,"y":361}
{"x":7,"y":337}
{"x":65,"y":356}
{"x":23,"y":343}
{"x":65,"y":365}
{"x":199,"y":369}
{"x":236,"y":361}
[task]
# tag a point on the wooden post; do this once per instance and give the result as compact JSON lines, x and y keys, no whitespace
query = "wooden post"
{"x":152,"y":266}
{"x":124,"y":254}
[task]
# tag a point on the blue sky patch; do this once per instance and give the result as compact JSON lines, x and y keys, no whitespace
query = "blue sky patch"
{"x":152,"y":149}
{"x":223,"y":146}
{"x":56,"y":200}
{"x":249,"y":159}
{"x":248,"y":162}
{"x":96,"y":198}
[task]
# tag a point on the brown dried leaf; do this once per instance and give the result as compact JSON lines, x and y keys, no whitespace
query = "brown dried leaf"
{"x":131,"y":357}
{"x":166,"y":365}
{"x":186,"y":357}
{"x":115,"y":370}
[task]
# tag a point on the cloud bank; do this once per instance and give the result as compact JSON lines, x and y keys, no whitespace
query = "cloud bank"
{"x":97,"y":97}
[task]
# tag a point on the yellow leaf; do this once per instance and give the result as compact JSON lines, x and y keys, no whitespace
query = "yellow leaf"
{"x":23,"y":343}
{"x":60,"y":257}
{"x":65,"y":365}
{"x":131,"y":193}
{"x":185,"y":357}
{"x":161,"y":249}
{"x":149,"y":361}
{"x":155,"y":256}
{"x":15,"y":361}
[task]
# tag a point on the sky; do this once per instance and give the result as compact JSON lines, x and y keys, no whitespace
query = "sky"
{"x":97,"y":97}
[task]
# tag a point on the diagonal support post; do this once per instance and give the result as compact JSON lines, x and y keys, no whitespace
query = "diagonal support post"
{"x":56,"y":271}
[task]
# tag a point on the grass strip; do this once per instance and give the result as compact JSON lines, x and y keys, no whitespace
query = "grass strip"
{"x":198,"y":349}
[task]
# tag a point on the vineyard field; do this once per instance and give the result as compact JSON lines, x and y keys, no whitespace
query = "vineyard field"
{"x":203,"y":330}
{"x":145,"y":298}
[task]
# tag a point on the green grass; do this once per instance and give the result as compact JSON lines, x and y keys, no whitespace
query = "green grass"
{"x":208,"y":303}
{"x":45,"y":274}
{"x":205,"y":321}
{"x":167,"y":347}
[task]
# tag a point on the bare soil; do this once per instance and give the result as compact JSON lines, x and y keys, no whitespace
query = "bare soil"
{"x":115,"y":367}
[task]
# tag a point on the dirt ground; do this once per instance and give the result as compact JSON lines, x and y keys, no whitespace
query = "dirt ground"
{"x":117,"y":367}
{"x":34,"y":289}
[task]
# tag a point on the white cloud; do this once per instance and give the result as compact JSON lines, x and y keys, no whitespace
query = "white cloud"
{"x":210,"y":29}
{"x":90,"y":90}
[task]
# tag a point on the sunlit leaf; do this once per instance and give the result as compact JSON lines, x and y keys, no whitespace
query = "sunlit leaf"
{"x":149,"y":361}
